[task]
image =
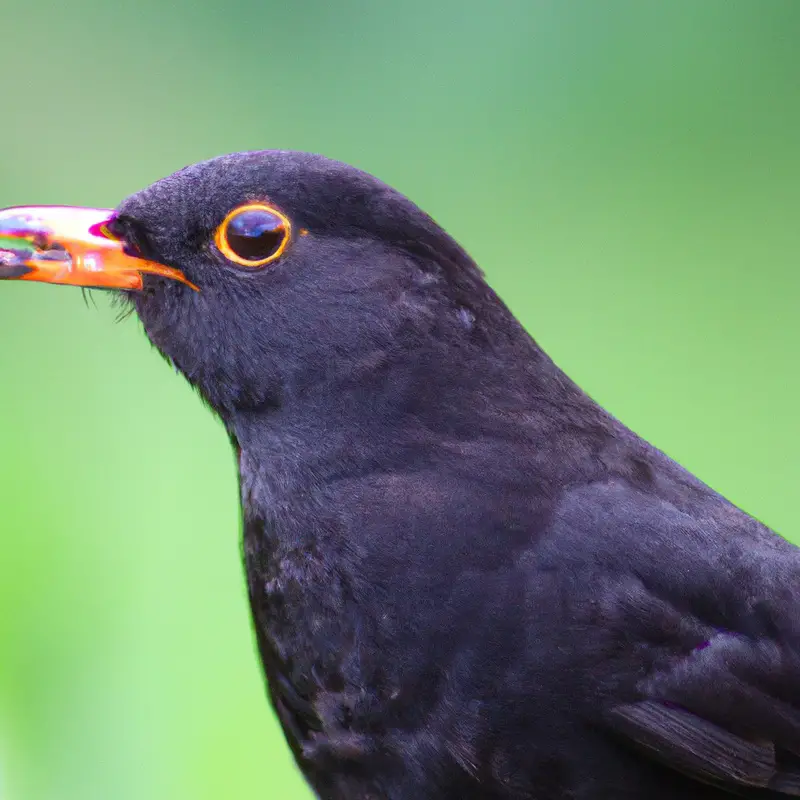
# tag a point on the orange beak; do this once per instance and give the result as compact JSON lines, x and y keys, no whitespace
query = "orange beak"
{"x":73,"y":246}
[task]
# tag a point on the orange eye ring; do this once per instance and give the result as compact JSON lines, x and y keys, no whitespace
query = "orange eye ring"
{"x":274,"y":238}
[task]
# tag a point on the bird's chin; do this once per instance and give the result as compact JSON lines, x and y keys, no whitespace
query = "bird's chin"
{"x":152,"y":306}
{"x":130,"y":302}
{"x":122,"y":301}
{"x":156,"y":296}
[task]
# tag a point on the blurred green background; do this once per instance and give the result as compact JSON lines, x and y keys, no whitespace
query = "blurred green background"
{"x":627,"y":172}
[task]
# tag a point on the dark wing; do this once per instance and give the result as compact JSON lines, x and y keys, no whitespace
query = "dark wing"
{"x":717,"y":695}
{"x":702,"y":750}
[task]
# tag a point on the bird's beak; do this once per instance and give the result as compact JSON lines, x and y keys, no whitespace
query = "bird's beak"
{"x":73,"y":246}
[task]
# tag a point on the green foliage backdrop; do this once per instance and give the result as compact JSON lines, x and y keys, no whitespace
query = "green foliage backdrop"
{"x":626,"y":172}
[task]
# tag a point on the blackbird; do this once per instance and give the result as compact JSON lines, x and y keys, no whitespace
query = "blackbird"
{"x":467,"y":579}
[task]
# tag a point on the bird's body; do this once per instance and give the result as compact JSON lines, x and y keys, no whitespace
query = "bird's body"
{"x":468,"y":581}
{"x":457,"y":611}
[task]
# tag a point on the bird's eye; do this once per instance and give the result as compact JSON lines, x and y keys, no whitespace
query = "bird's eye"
{"x":253,"y":235}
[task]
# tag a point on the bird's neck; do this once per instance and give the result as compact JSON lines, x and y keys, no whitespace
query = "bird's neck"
{"x":392,"y":414}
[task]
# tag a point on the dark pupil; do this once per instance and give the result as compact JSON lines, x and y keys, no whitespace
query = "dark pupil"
{"x":255,"y":235}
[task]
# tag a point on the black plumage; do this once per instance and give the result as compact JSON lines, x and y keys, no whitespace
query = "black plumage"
{"x":467,"y":579}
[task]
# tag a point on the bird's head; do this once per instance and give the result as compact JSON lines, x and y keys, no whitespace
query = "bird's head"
{"x":264,"y":275}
